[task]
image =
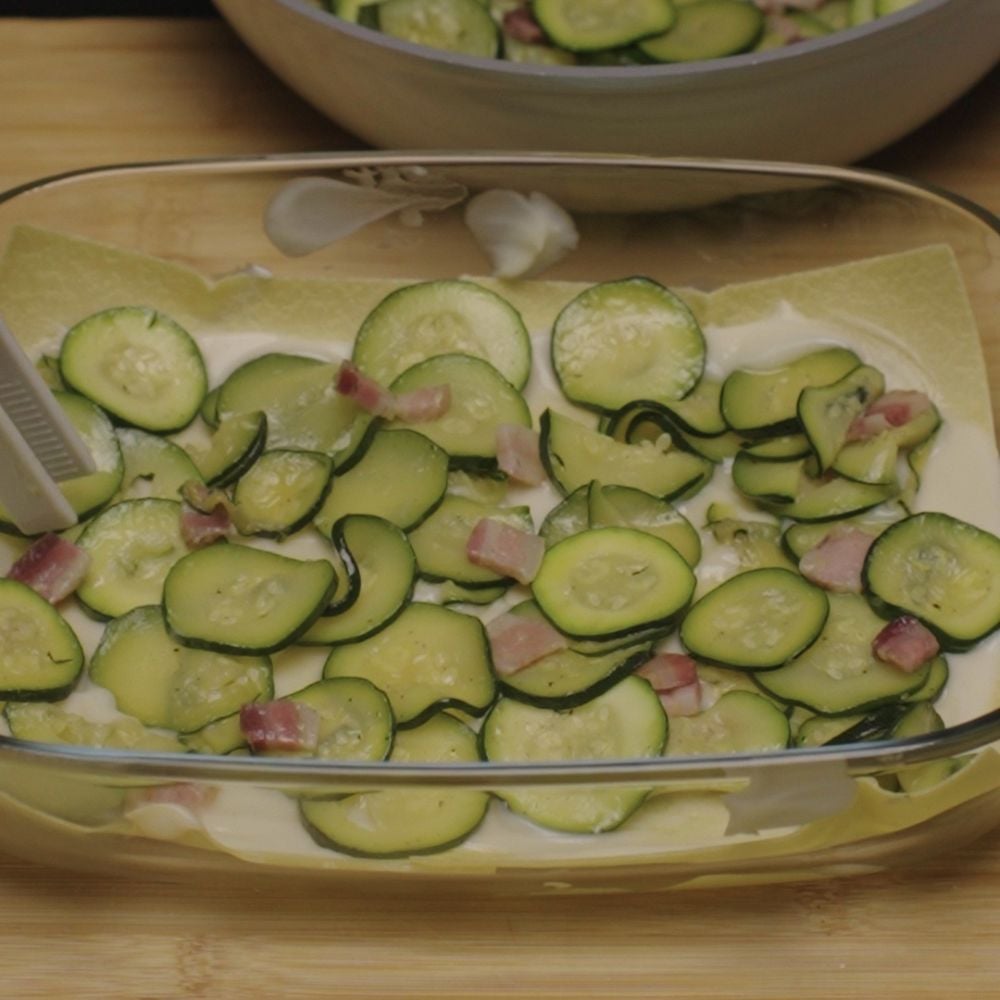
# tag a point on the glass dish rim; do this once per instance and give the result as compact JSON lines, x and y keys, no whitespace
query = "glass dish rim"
{"x":856,"y":759}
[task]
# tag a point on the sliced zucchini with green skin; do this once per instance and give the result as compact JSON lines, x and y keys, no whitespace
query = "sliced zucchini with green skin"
{"x":138,"y":365}
{"x":462,"y":26}
{"x":156,"y":680}
{"x":418,"y":683}
{"x":625,"y":722}
{"x":768,"y":480}
{"x":236,"y":444}
{"x":401,"y":822}
{"x":154,"y":466}
{"x":443,"y":317}
{"x":755,"y":620}
{"x":874,"y":461}
{"x":439,"y":543}
{"x":623,"y":340}
{"x":937,"y":677}
{"x":832,"y":499}
{"x":281,"y":492}
{"x":707,"y":29}
{"x":132,"y":547}
{"x":764,"y":403}
{"x":567,"y":678}
{"x":597,"y":25}
{"x":827,"y":412}
{"x":756,"y":544}
{"x":481,"y":400}
{"x":799,"y":538}
{"x":838,"y":673}
{"x":303,"y":409}
{"x":355,"y":719}
{"x":450,"y":592}
{"x":626,"y":507}
{"x":40,"y":655}
{"x":646,"y":421}
{"x":940,"y":569}
{"x":89,"y":493}
{"x":382,"y":570}
{"x":821,"y":730}
{"x":209,"y":409}
{"x":391,"y":456}
{"x":43,"y":723}
{"x":235,"y":599}
{"x":739,"y":722}
{"x":221,"y":737}
{"x":605,"y":582}
{"x":569,"y":517}
{"x":574,"y":454}
{"x":921,"y":720}
{"x":781,"y":448}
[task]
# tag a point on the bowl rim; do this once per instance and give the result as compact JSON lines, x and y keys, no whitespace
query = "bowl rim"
{"x":853,"y":759}
{"x":742,"y":62}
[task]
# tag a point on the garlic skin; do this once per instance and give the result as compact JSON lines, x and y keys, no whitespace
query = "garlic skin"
{"x":521,"y":234}
{"x":309,"y":213}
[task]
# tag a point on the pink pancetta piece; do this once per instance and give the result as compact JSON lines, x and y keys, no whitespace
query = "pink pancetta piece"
{"x":905,"y":643}
{"x":516,"y":642}
{"x":506,"y":550}
{"x":836,"y":563}
{"x":891,"y":409}
{"x":200,"y":529}
{"x":52,"y":566}
{"x":518,"y":454}
{"x":366,"y":392}
{"x":282,"y":726}
{"x":683,"y":700}
{"x":418,"y":406}
{"x":190,"y":795}
{"x":666,"y":671}
{"x":521,"y":25}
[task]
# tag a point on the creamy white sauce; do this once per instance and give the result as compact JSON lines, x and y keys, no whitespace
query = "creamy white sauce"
{"x":962,"y":478}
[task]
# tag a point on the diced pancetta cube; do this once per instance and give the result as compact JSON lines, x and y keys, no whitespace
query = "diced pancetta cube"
{"x":52,"y":566}
{"x":836,"y":562}
{"x":516,"y":641}
{"x":905,"y":643}
{"x":683,"y":700}
{"x":418,"y":406}
{"x":282,"y":726}
{"x":518,"y":454}
{"x":200,"y":529}
{"x":666,"y":671}
{"x":190,"y":795}
{"x":891,"y":409}
{"x":521,"y":25}
{"x":368,"y":394}
{"x":506,"y":550}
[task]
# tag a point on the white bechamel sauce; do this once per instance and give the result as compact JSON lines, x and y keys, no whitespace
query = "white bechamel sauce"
{"x":962,"y":477}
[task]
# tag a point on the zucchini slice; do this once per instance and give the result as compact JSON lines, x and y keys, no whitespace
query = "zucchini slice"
{"x":605,"y":582}
{"x":574,"y":454}
{"x":625,"y":722}
{"x":281,"y":492}
{"x":40,"y":655}
{"x":421,"y":320}
{"x":462,"y":26}
{"x":402,"y":456}
{"x":707,"y":29}
{"x":138,"y":365}
{"x":481,"y":400}
{"x":595,"y":25}
{"x":400,"y":822}
{"x":44,"y":723}
{"x":623,"y":340}
{"x":235,"y":599}
{"x":739,"y":722}
{"x":940,"y":569}
{"x":439,"y":543}
{"x":132,"y":547}
{"x":838,"y":674}
{"x":236,"y":444}
{"x":382,"y":571}
{"x":154,"y":466}
{"x":756,"y":620}
{"x":398,"y":660}
{"x":163,"y":684}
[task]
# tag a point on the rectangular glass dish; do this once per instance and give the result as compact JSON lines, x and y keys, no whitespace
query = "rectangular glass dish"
{"x":785,"y":257}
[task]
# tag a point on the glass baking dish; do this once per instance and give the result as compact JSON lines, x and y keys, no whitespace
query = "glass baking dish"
{"x":695,"y":225}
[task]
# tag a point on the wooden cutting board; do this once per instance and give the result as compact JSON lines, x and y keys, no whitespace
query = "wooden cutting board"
{"x":81,"y":93}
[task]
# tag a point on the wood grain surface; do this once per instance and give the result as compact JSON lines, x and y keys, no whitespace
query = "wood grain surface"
{"x":79,"y":93}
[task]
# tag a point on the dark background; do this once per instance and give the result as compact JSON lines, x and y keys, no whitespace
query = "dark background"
{"x":107,"y":8}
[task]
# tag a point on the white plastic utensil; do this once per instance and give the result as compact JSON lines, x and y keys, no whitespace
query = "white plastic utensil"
{"x":38,"y":445}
